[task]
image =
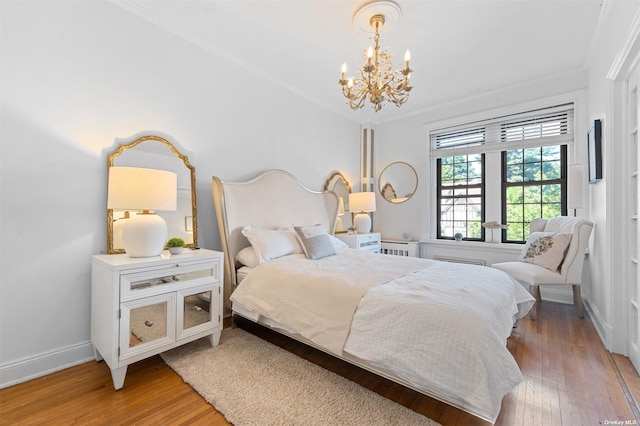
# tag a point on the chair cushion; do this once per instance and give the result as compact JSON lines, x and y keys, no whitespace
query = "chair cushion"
{"x":530,"y":273}
{"x":546,"y":249}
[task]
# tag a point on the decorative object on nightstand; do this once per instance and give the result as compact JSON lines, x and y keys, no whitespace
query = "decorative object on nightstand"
{"x":363,"y":203}
{"x":175,"y":245}
{"x":368,"y":242}
{"x":136,"y":188}
{"x":144,"y":306}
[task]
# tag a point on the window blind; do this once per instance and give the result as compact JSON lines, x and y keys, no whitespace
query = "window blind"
{"x":547,"y":126}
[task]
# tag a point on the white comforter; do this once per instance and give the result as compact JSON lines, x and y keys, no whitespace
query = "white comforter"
{"x":440,"y":326}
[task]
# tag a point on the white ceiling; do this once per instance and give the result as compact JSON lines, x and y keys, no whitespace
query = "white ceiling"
{"x":459,"y":48}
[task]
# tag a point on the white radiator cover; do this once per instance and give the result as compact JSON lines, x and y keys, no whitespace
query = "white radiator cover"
{"x":400,"y":248}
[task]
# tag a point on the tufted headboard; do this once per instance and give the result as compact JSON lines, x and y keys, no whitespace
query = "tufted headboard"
{"x":271,"y":200}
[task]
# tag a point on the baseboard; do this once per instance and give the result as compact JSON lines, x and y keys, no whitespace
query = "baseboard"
{"x":603,"y":329}
{"x":46,"y":363}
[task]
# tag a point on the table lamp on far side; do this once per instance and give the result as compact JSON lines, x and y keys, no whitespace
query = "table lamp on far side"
{"x":363,"y":203}
{"x":148,"y":190}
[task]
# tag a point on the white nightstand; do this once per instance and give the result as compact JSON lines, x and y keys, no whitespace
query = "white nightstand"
{"x":368,"y":242}
{"x":143,"y":306}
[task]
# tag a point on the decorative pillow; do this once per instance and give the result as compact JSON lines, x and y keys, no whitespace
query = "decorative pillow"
{"x":247,"y":256}
{"x":337,"y":242}
{"x":315,"y":241}
{"x":272,"y":243}
{"x":546,"y":249}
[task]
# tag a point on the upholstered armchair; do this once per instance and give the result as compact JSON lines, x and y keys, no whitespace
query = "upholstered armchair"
{"x":553,"y":255}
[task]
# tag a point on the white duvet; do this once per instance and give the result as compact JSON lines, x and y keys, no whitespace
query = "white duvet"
{"x":440,"y":326}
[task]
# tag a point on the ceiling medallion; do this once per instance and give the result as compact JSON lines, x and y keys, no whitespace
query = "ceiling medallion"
{"x":377,"y":81}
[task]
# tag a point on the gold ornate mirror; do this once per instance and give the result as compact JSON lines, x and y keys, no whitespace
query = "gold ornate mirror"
{"x":338,"y":184}
{"x":156,"y":152}
{"x":398,"y":182}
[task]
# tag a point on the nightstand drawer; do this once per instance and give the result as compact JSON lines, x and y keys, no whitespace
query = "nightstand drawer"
{"x":367,"y":242}
{"x":157,"y":281}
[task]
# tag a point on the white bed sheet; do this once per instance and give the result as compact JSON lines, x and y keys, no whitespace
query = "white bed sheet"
{"x":442,"y":328}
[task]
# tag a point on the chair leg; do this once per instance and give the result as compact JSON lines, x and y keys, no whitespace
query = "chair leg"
{"x":577,"y":300}
{"x":535,"y":291}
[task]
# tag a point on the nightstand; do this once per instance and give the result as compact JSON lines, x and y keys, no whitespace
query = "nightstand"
{"x":368,"y":242}
{"x":143,"y":306}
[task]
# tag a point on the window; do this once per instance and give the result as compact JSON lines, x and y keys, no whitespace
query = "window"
{"x":526,"y":155}
{"x":461,"y":196}
{"x":461,"y":186}
{"x":533,"y":185}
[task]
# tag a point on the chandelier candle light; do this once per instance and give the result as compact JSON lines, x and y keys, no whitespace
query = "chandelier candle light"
{"x":377,"y":82}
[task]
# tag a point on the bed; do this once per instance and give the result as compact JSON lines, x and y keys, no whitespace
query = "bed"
{"x":436,"y":327}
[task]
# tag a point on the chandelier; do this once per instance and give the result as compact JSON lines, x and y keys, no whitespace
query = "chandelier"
{"x":377,"y":80}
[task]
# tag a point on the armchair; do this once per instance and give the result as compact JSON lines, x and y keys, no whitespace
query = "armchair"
{"x":569,"y":270}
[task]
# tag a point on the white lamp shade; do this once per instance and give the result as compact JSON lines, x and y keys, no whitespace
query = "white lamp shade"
{"x":575,"y":186}
{"x":133,"y":188}
{"x":362,"y":202}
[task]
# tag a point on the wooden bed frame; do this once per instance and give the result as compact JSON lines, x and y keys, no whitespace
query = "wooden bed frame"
{"x":288,"y":202}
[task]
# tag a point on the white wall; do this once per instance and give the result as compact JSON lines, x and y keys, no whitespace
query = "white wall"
{"x":605,"y":204}
{"x":77,"y":75}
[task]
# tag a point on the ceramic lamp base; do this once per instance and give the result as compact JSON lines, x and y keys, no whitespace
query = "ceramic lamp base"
{"x":144,"y":235}
{"x":362,"y":221}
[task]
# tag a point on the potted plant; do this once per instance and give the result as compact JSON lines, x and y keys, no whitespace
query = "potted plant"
{"x":175,"y":245}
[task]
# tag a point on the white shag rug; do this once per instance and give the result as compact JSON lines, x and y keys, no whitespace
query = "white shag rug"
{"x":253,"y":382}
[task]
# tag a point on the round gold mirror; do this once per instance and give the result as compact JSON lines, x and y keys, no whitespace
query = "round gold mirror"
{"x":156,"y":152}
{"x":398,"y":182}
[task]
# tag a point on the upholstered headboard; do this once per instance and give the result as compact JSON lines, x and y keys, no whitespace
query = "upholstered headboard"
{"x":271,"y":200}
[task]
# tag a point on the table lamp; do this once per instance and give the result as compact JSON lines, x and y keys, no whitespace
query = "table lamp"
{"x":135,"y":188}
{"x":362,"y":202}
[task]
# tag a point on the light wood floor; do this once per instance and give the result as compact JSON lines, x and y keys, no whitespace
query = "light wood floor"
{"x":569,"y":379}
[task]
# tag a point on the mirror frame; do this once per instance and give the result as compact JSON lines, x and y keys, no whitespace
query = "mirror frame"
{"x":126,"y":146}
{"x":381,"y":190}
{"x":330,"y":184}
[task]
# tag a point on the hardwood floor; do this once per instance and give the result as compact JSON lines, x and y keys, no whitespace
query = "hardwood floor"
{"x":570,"y":379}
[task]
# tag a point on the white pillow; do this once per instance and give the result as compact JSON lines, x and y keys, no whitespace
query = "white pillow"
{"x":247,"y":256}
{"x":546,"y":249}
{"x":338,"y":243}
{"x":272,"y":243}
{"x":315,"y":241}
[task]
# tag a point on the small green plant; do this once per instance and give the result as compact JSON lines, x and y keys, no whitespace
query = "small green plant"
{"x":175,"y":242}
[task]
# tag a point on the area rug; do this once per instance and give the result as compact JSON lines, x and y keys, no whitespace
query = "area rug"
{"x":253,"y":382}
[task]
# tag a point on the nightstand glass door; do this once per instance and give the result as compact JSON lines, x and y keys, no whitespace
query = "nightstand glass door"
{"x":147,"y":324}
{"x":195,"y":310}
